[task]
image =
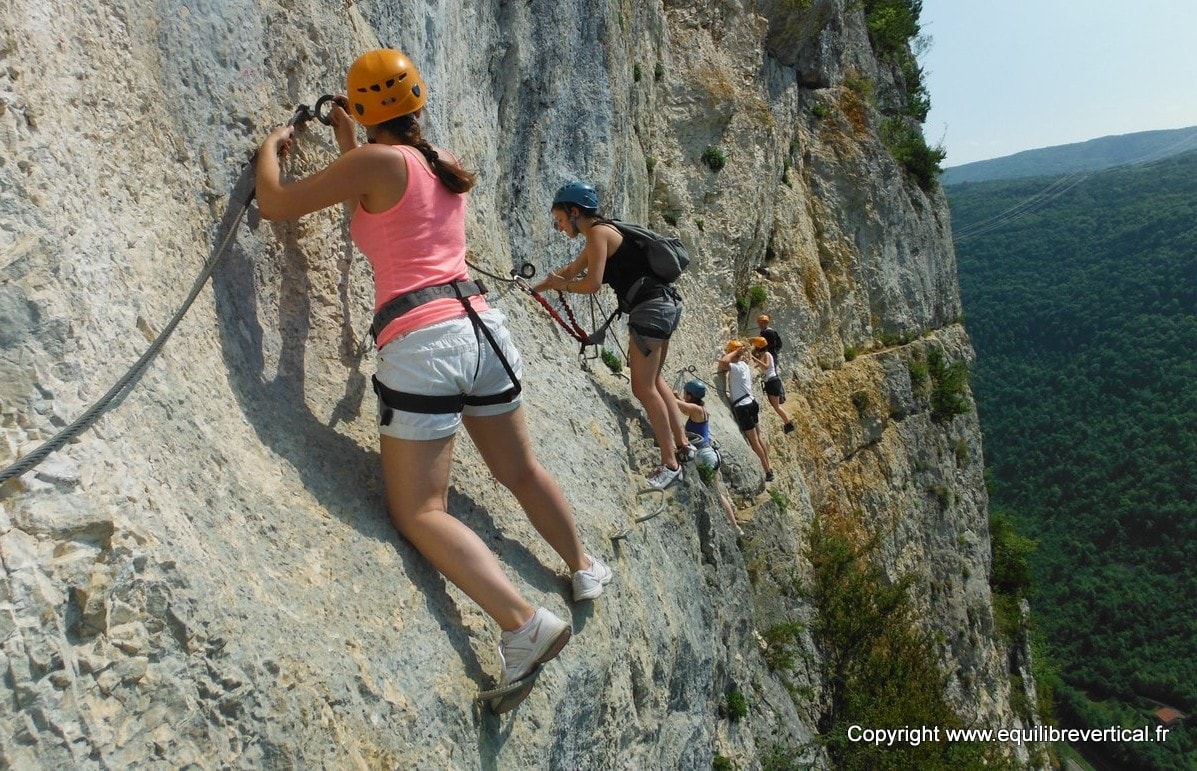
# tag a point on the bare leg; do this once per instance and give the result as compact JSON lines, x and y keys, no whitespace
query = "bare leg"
{"x":646,"y":371}
{"x":758,"y":446}
{"x":775,"y":403}
{"x":677,"y":423}
{"x":503,"y":442}
{"x":416,"y":474}
{"x":728,"y":509}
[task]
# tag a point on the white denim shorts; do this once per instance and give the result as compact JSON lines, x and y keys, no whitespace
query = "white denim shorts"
{"x":443,"y":359}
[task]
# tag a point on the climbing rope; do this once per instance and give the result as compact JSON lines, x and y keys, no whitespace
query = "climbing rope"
{"x":692,"y":371}
{"x":520,"y":279}
{"x":526,"y":270}
{"x":125,"y":384}
{"x":571,"y":326}
{"x":573,"y":320}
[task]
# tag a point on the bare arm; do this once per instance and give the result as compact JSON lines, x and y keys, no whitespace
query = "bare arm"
{"x":600,"y":244}
{"x":360,"y":172}
{"x":689,"y":409}
{"x":344,"y":127}
{"x":563,"y":275}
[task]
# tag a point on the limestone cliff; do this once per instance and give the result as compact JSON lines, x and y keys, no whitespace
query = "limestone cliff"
{"x":207,"y":576}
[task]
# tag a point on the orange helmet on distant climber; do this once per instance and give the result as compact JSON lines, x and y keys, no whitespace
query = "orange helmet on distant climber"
{"x":763,"y":319}
{"x":384,"y":84}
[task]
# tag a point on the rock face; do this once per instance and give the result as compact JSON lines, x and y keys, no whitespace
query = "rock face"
{"x":208,"y":577}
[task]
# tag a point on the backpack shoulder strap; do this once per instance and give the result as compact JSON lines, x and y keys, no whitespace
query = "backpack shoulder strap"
{"x":613,"y":224}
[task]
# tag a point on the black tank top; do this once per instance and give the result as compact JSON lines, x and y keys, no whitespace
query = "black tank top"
{"x":625,"y":267}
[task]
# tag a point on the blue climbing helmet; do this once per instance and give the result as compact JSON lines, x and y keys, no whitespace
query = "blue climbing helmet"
{"x":696,"y":390}
{"x":579,"y":194}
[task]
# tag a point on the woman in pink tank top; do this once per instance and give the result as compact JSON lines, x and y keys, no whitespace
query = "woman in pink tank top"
{"x":445,"y":358}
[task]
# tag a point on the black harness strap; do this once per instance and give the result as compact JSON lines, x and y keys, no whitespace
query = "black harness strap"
{"x":447,"y":403}
{"x":397,"y":306}
{"x":435,"y":405}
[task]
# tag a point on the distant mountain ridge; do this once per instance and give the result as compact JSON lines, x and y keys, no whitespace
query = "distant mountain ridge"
{"x":1091,"y":155}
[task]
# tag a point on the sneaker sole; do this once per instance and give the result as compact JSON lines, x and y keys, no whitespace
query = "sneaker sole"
{"x":555,"y":648}
{"x":668,"y":484}
{"x":510,"y":701}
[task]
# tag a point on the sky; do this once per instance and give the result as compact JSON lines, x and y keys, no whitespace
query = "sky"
{"x":1012,"y":75}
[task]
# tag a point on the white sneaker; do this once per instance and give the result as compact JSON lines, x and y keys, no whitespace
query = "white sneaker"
{"x":664,"y":477}
{"x":589,"y":583}
{"x":523,"y":650}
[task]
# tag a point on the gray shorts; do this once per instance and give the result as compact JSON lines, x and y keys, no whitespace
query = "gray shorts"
{"x":653,"y":321}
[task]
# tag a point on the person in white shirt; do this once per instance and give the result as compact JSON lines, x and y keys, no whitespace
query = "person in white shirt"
{"x":744,"y":407}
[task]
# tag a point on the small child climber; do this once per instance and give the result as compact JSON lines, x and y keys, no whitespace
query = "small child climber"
{"x":698,"y":429}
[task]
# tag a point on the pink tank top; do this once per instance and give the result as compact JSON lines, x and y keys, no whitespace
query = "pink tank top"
{"x":418,"y":242}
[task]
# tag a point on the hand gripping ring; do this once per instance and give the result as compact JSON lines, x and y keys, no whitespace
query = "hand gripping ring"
{"x":324,"y":107}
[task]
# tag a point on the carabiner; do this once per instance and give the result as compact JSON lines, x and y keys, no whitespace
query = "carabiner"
{"x":302,"y":115}
{"x":328,"y":100}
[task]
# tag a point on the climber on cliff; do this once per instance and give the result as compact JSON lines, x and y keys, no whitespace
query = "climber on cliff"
{"x":654,"y":310}
{"x":445,"y":357}
{"x":744,"y":406}
{"x":772,"y":337}
{"x":773,"y":388}
{"x":691,"y":403}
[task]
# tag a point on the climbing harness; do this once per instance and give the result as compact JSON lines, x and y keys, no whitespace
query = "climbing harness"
{"x":452,"y":403}
{"x":125,"y":384}
{"x":397,"y":306}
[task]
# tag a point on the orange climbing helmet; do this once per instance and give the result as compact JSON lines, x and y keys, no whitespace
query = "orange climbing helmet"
{"x":758,"y":342}
{"x":384,"y":84}
{"x":763,"y":319}
{"x":733,"y":345}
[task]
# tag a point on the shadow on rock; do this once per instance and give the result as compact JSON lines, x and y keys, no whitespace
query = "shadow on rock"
{"x":342,"y":475}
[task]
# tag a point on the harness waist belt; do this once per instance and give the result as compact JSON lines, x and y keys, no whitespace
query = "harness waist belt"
{"x":434,"y":405}
{"x":401,"y":304}
{"x":743,"y":399}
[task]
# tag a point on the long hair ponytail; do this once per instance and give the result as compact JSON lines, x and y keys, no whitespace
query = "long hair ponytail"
{"x":407,"y":129}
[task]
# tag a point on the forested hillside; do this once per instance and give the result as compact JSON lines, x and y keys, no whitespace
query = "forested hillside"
{"x":1082,"y":312}
{"x":1077,"y":158}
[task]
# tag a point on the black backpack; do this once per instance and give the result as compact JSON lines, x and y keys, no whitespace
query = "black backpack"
{"x":667,"y":256}
{"x":770,"y":334}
